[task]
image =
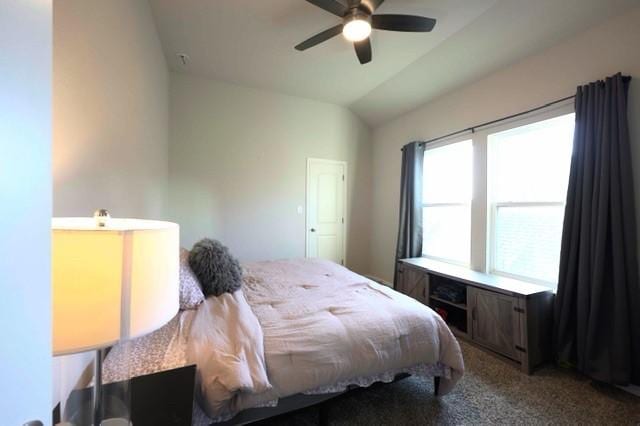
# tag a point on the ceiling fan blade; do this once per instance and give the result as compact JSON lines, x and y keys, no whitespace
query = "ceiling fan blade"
{"x":372,"y":5}
{"x":331,"y":6}
{"x":319,"y":38}
{"x":363,"y":50}
{"x":407,"y":23}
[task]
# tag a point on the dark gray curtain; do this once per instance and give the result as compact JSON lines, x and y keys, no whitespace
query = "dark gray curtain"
{"x":597,"y":308}
{"x":410,"y":223}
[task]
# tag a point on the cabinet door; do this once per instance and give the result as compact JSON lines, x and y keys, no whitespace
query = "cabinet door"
{"x":495,"y":322}
{"x":413,"y":282}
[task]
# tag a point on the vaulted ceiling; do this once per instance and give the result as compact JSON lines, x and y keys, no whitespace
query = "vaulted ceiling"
{"x":250,"y":43}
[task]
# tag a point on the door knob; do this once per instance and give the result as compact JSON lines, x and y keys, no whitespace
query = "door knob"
{"x":313,"y":230}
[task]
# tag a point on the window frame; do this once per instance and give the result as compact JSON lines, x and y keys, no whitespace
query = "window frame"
{"x":491,"y":240}
{"x":482,"y":212}
{"x":464,"y":137}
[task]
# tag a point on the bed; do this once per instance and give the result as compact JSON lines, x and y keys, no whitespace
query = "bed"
{"x":298,"y":332}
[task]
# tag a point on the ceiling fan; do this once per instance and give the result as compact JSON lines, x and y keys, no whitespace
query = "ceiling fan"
{"x":357,"y":22}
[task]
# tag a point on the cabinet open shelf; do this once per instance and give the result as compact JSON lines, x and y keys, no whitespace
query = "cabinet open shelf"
{"x":457,"y":332}
{"x":455,"y":317}
{"x":447,"y":302}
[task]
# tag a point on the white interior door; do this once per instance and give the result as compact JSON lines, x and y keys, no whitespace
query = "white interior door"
{"x":326,"y":209}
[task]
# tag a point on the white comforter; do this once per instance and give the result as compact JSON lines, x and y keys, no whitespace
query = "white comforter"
{"x":320,"y":324}
{"x":226,"y":344}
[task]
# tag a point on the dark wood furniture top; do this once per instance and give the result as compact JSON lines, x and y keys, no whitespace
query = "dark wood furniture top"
{"x":164,"y":398}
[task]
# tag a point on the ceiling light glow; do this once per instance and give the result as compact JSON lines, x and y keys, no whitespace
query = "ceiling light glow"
{"x":356,"y":30}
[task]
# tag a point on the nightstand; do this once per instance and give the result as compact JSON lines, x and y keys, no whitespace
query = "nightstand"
{"x":158,"y":399}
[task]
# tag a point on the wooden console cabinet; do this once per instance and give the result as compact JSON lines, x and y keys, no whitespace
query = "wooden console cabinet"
{"x":509,"y":317}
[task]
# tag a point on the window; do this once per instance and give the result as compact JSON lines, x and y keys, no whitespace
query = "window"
{"x":528,"y":175}
{"x":447,"y":202}
{"x":496,"y":201}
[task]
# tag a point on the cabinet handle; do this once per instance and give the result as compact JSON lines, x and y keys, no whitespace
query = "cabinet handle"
{"x":473,"y":314}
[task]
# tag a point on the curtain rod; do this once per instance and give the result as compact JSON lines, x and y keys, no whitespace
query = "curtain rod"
{"x":625,"y":79}
{"x":488,"y":123}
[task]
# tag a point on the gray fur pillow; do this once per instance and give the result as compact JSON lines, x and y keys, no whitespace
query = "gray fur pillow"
{"x":217,"y":270}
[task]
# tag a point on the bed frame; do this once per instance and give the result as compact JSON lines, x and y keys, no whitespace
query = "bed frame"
{"x":300,"y":401}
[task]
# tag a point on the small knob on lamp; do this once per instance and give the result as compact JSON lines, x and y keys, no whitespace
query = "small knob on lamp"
{"x":102,"y":217}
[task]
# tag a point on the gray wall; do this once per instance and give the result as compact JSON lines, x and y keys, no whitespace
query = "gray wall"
{"x":111,"y":105}
{"x":25,"y":220}
{"x":552,"y":74}
{"x":238,"y":167}
{"x":110,"y":132}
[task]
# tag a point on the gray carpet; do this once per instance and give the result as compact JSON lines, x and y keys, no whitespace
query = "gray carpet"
{"x":491,"y":392}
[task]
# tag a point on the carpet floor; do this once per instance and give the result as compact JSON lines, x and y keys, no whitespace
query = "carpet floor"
{"x":491,"y":392}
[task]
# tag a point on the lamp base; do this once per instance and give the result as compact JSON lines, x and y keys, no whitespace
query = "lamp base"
{"x":114,"y":407}
{"x":100,"y":406}
{"x":97,"y":387}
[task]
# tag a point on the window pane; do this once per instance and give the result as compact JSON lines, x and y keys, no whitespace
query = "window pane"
{"x":446,"y":232}
{"x":448,"y":173}
{"x":527,"y":241}
{"x":531,"y":163}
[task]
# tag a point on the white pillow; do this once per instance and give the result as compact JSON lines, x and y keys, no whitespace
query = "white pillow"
{"x":190,"y":291}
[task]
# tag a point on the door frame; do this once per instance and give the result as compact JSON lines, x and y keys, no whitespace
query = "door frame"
{"x":344,"y":164}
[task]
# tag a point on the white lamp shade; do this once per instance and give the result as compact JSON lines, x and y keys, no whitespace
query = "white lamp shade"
{"x":111,"y":283}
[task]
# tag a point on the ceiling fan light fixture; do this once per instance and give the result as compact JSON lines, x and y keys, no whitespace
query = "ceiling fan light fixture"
{"x":356,"y":29}
{"x":357,"y":22}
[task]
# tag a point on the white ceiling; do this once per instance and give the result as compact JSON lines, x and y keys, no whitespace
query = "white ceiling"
{"x":250,"y":42}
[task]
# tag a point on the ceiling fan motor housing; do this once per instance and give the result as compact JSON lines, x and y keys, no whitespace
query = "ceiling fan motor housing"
{"x":356,"y":14}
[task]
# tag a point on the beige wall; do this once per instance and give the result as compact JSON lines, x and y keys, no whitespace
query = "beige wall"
{"x":110,"y":114}
{"x":599,"y":52}
{"x":238,"y":167}
{"x":111,"y":96}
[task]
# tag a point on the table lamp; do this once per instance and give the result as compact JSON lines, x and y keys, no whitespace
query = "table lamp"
{"x":113,"y":280}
